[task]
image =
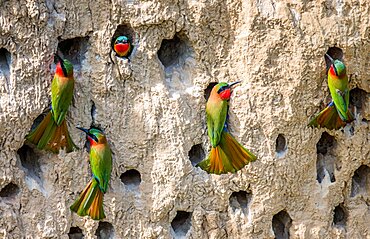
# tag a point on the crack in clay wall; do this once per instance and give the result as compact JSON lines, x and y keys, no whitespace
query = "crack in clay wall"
{"x":152,"y":109}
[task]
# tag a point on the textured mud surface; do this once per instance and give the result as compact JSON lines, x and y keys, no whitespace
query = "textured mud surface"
{"x":307,"y":183}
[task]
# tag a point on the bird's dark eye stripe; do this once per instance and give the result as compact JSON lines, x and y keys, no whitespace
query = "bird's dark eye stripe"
{"x":222,"y":88}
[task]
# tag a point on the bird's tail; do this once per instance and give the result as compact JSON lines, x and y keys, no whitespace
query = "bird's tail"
{"x":227,"y":156}
{"x":330,"y":119}
{"x":90,"y":202}
{"x":48,"y":135}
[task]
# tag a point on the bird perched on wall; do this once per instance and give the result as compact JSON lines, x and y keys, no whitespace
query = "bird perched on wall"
{"x":52,"y":133}
{"x":90,"y":201}
{"x":226,"y":155}
{"x":337,"y":113}
{"x":122,"y":46}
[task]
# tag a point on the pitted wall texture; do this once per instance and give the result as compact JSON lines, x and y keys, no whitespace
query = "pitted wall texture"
{"x":152,"y":109}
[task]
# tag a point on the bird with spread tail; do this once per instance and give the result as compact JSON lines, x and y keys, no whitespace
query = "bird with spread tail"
{"x":337,"y":114}
{"x":226,"y":155}
{"x":122,"y":46}
{"x":90,"y":201}
{"x":52,"y":133}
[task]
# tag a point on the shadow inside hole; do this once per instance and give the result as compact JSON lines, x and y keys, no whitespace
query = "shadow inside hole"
{"x":358,"y":98}
{"x":361,"y":181}
{"x":105,"y":231}
{"x":335,"y":53}
{"x":340,"y":216}
{"x":325,"y":163}
{"x":181,"y":224}
{"x":93,"y":111}
{"x":240,"y":200}
{"x":5,"y":62}
{"x":281,"y":145}
{"x":207,"y":91}
{"x":74,"y":50}
{"x":196,"y":154}
{"x":75,"y":233}
{"x":131,"y":178}
{"x":281,"y":224}
{"x":30,"y":163}
{"x":173,"y":50}
{"x":10,"y":191}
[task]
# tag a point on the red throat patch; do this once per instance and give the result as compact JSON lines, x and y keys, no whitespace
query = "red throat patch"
{"x":122,"y":49}
{"x":225,"y":95}
{"x":58,"y":70}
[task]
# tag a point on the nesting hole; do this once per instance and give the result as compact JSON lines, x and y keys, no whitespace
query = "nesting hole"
{"x":74,"y":50}
{"x":5,"y":62}
{"x":181,"y":224}
{"x":325,"y":160}
{"x":281,"y":146}
{"x":29,"y":161}
{"x":240,"y":200}
{"x":340,"y":216}
{"x":196,"y":154}
{"x":361,"y":181}
{"x":131,"y":178}
{"x":281,"y":224}
{"x":93,"y":112}
{"x":335,"y":53}
{"x":11,"y":190}
{"x":75,"y":233}
{"x":358,"y":98}
{"x":105,"y":231}
{"x":124,"y":30}
{"x":174,"y":50}
{"x":207,"y":91}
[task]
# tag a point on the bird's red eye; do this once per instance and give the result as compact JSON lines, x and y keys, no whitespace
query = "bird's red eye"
{"x":225,"y":94}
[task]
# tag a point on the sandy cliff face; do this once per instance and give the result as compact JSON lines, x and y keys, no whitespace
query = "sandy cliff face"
{"x":308,"y":183}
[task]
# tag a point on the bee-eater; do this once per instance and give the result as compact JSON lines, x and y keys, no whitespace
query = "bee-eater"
{"x":337,"y":113}
{"x":122,"y":46}
{"x":90,"y":201}
{"x":226,"y":155}
{"x":52,"y":133}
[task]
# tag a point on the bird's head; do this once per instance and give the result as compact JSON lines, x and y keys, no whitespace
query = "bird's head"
{"x":94,"y":135}
{"x":122,"y":40}
{"x":223,"y":89}
{"x":64,"y":67}
{"x":337,"y":67}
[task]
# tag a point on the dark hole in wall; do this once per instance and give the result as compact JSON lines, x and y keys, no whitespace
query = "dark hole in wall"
{"x":131,"y":178}
{"x":75,"y":233}
{"x":196,"y":154}
{"x":281,"y":224}
{"x":340,"y":216}
{"x":172,"y":50}
{"x":39,"y":118}
{"x":281,"y":145}
{"x":93,"y":112}
{"x":105,"y":231}
{"x":11,"y":190}
{"x":74,"y":50}
{"x":325,"y":163}
{"x":358,"y":98}
{"x":181,"y":224}
{"x":240,"y":200}
{"x":207,"y":91}
{"x":29,"y":161}
{"x":124,"y":30}
{"x":5,"y":62}
{"x":335,"y":53}
{"x":361,"y":181}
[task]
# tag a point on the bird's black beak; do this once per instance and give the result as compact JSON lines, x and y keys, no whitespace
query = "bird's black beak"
{"x":234,"y":83}
{"x":330,"y":58}
{"x":88,"y":133}
{"x":332,"y":62}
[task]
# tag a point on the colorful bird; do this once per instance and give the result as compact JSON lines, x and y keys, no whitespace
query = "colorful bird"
{"x":122,"y":46}
{"x":337,"y":113}
{"x":52,"y":133}
{"x":90,"y":201}
{"x":226,"y":155}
